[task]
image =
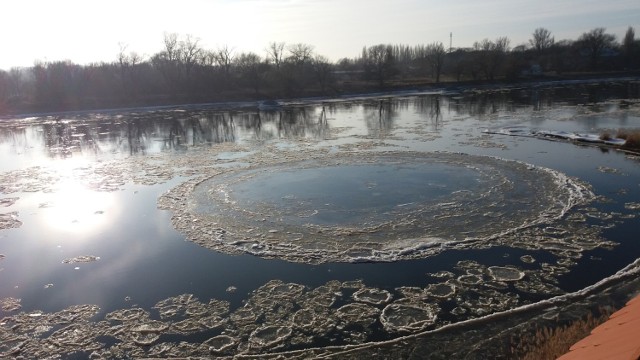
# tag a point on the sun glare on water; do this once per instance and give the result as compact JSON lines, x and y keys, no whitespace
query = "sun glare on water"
{"x":74,"y":208}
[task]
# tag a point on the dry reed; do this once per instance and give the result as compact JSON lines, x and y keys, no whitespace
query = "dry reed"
{"x":550,"y":343}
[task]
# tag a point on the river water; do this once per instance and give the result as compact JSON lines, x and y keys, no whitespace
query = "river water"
{"x":336,"y":227}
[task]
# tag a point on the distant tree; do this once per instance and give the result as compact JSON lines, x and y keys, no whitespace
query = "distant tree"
{"x":60,"y":85}
{"x":564,"y":56}
{"x":128,"y":66}
{"x":18,"y":81}
{"x":631,"y":49}
{"x":300,"y":54}
{"x":323,"y":71}
{"x":379,"y":63}
{"x":171,"y":51}
{"x":275,"y":53}
{"x":189,"y":53}
{"x":491,"y":55}
{"x":629,"y":38}
{"x":223,"y":57}
{"x":346,"y":64}
{"x":542,"y":40}
{"x":595,"y":42}
{"x":251,"y":70}
{"x":457,"y":63}
{"x":167,"y":62}
{"x":5,"y":84}
{"x":435,"y":58}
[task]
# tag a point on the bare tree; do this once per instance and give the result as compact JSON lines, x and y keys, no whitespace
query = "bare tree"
{"x":379,"y":63}
{"x":435,"y":54}
{"x":167,"y":61}
{"x":275,"y":53}
{"x":491,"y":55}
{"x":502,"y":44}
{"x":300,"y":54}
{"x":251,"y":69}
{"x":5,"y":82}
{"x":17,"y":81}
{"x":542,"y":40}
{"x":322,"y":69}
{"x":189,"y":53}
{"x":123,"y":60}
{"x":596,"y":41}
{"x":224,"y":59}
{"x":128,"y":63}
{"x":171,"y":52}
{"x":207,"y":58}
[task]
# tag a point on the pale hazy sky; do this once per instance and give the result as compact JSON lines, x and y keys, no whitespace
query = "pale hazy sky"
{"x":85,"y":31}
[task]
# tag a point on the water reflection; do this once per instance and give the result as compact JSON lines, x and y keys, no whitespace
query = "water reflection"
{"x":380,"y":116}
{"x":429,"y":106}
{"x":147,"y":132}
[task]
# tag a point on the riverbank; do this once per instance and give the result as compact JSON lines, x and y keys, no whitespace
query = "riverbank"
{"x":342,"y":90}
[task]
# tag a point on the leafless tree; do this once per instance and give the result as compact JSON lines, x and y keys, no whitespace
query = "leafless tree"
{"x":171,"y":51}
{"x":17,"y":81}
{"x":491,"y":55}
{"x":224,"y":59}
{"x":542,"y":40}
{"x":5,"y":82}
{"x":435,"y":55}
{"x":167,"y":61}
{"x":300,"y":54}
{"x":250,"y":68}
{"x":379,"y":63}
{"x":596,"y":41}
{"x":124,"y":65}
{"x":189,"y":52}
{"x":322,"y":69}
{"x":207,"y":58}
{"x":275,"y":53}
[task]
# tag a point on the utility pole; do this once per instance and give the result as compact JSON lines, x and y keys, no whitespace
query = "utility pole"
{"x":450,"y":41}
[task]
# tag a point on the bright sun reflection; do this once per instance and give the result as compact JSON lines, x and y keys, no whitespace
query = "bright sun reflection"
{"x":74,"y":208}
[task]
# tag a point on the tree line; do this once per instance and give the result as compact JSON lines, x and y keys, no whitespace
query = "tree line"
{"x":185,"y":72}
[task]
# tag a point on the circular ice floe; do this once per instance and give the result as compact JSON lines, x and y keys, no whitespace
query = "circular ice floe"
{"x":373,"y":296}
{"x":221,"y":343}
{"x":442,"y":290}
{"x":500,"y":273}
{"x":408,"y":316}
{"x":148,"y":332}
{"x":369,"y":207}
{"x":356,"y":313}
{"x":267,"y":336}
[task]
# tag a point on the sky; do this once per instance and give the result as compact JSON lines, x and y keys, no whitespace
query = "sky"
{"x":85,"y":31}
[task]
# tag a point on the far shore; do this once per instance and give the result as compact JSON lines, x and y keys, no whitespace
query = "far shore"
{"x":343,"y":92}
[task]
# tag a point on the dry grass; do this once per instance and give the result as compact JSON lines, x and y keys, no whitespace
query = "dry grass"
{"x":606,"y":136}
{"x":550,"y":343}
{"x":631,"y":136}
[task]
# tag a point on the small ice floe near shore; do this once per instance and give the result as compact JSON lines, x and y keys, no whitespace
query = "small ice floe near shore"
{"x":553,"y":134}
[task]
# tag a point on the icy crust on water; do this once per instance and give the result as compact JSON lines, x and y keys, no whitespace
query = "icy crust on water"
{"x":374,"y":214}
{"x":339,"y":320}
